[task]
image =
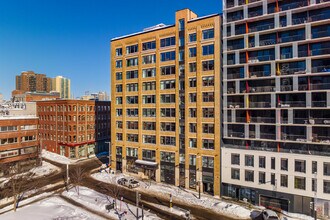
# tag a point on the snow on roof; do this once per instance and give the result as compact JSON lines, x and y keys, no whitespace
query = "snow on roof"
{"x":145,"y":162}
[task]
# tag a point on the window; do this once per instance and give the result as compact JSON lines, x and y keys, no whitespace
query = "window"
{"x":119,"y":63}
{"x":193,"y":112}
{"x":119,"y":136}
{"x":208,"y":34}
{"x":208,"y":144}
{"x":192,"y":127}
{"x":119,"y":76}
{"x":299,"y":182}
{"x":284,"y":164}
{"x":208,"y":112}
{"x":208,"y":162}
{"x":326,"y":169}
{"x":181,"y":41}
{"x":208,"y":96}
{"x":314,"y":166}
{"x":165,"y":140}
{"x":192,"y":52}
{"x":208,"y":81}
{"x":181,"y":24}
{"x":132,"y":125}
{"x":149,"y":112}
{"x":167,"y":112}
{"x":272,"y":179}
{"x":167,"y":84}
{"x":192,"y":82}
{"x":132,"y":137}
{"x":249,"y":175}
{"x":119,"y":52}
{"x":149,"y":139}
{"x":314,"y":184}
{"x":119,"y":100}
{"x":149,"y":59}
{"x":151,"y":72}
{"x":167,"y":157}
{"x":119,"y":112}
{"x":119,"y":124}
{"x":326,"y":186}
{"x":132,"y":87}
{"x":8,"y":128}
{"x":192,"y":97}
{"x":167,"y":98}
{"x":132,"y":112}
{"x":192,"y":142}
{"x":132,"y":49}
{"x":166,"y":42}
{"x":235,"y":175}
{"x":149,"y":45}
{"x":132,"y":74}
{"x":167,"y":126}
{"x":249,"y":160}
{"x":235,"y":159}
{"x":208,"y":128}
{"x":167,"y":56}
{"x":284,"y":180}
{"x":208,"y":50}
{"x":131,"y":152}
{"x":192,"y":160}
{"x":8,"y":141}
{"x":167,"y":70}
{"x":300,"y":166}
{"x":272,"y":163}
{"x":208,"y":65}
{"x":262,"y":177}
{"x":192,"y":67}
{"x":149,"y":99}
{"x":192,"y":37}
{"x":146,"y":86}
{"x":149,"y":126}
{"x":149,"y":155}
{"x":132,"y":99}
{"x":132,"y":62}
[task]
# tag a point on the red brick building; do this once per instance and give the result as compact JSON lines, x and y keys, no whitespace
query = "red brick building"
{"x":74,"y":128}
{"x":19,"y":142}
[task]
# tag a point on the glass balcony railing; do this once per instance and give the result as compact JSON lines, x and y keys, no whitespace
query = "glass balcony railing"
{"x":261,"y":27}
{"x":241,"y":119}
{"x":300,"y":121}
{"x":235,"y":75}
{"x":319,"y":34}
{"x":254,"y":13}
{"x":319,"y":17}
{"x":321,"y":69}
{"x":286,"y":56}
{"x":319,"y":104}
{"x":262,"y":89}
{"x":296,"y":21}
{"x":291,"y":38}
{"x":235,"y":105}
{"x":292,"y":5}
{"x":288,"y":104}
{"x":259,"y":74}
{"x":321,"y":139}
{"x":291,"y":71}
{"x":231,"y":91}
{"x":267,"y":42}
{"x":267,"y":136}
{"x":235,"y":18}
{"x":262,"y":120}
{"x":303,"y":87}
{"x":321,"y":51}
{"x":261,"y":58}
{"x":320,"y":86}
{"x":286,"y":88}
{"x":236,"y":134}
{"x":260,"y":105}
{"x":293,"y":137}
{"x":230,"y":4}
{"x":322,"y":1}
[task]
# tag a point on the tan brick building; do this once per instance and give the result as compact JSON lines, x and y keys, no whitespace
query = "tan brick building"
{"x":19,"y":142}
{"x":74,"y":128}
{"x":30,"y":81}
{"x":166,"y":102}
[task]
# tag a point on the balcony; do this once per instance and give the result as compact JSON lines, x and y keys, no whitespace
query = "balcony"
{"x":261,"y":27}
{"x":268,"y":136}
{"x":288,"y":104}
{"x":321,"y":69}
{"x":319,"y":17}
{"x":267,"y":42}
{"x":303,"y":87}
{"x":291,"y":5}
{"x":321,"y":139}
{"x":262,"y":89}
{"x":260,"y":105}
{"x":235,"y":105}
{"x":291,"y":38}
{"x":236,"y":134}
{"x":235,"y":75}
{"x":319,"y":34}
{"x":261,"y":58}
{"x":241,"y":119}
{"x":291,"y":71}
{"x":255,"y":74}
{"x":235,"y":18}
{"x":262,"y":120}
{"x":286,"y":56}
{"x":296,"y":21}
{"x":230,"y":4}
{"x":293,"y":137}
{"x":319,"y":104}
{"x":320,"y":86}
{"x":321,"y":51}
{"x":286,"y":88}
{"x":254,"y":13}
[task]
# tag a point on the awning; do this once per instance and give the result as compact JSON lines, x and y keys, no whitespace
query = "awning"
{"x":146,"y":164}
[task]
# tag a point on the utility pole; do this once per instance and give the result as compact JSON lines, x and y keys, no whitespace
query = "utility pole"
{"x":137,"y":205}
{"x":142,"y":211}
{"x":108,"y":142}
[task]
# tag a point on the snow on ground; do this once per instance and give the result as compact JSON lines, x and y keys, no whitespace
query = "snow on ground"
{"x":56,"y":157}
{"x":98,"y":201}
{"x":183,"y":195}
{"x":49,"y":208}
{"x":292,"y":216}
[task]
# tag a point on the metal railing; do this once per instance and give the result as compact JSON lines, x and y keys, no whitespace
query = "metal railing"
{"x":267,"y":42}
{"x":293,"y":137}
{"x":288,"y":104}
{"x":320,"y":86}
{"x":321,"y":51}
{"x":259,"y":74}
{"x":261,"y":58}
{"x":261,"y":27}
{"x":262,"y":89}
{"x":293,"y":5}
{"x":319,"y":104}
{"x":236,"y":134}
{"x":291,"y":71}
{"x":319,"y":17}
{"x":262,"y":120}
{"x":318,"y":34}
{"x":291,"y":38}
{"x":267,"y":136}
{"x":296,"y":21}
{"x":286,"y":88}
{"x":259,"y":105}
{"x":233,"y":76}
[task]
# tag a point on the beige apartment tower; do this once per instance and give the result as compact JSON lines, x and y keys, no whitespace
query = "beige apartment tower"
{"x":63,"y":86}
{"x":166,"y":102}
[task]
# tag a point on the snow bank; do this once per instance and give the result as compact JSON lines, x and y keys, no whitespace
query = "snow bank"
{"x":56,"y":157}
{"x":185,"y":196}
{"x":292,"y":216}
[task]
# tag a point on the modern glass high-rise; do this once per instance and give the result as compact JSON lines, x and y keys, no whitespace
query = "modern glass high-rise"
{"x":276,"y":103}
{"x":166,"y":102}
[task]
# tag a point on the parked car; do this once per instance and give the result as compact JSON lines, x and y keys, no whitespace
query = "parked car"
{"x":128,"y":182}
{"x":268,"y":214}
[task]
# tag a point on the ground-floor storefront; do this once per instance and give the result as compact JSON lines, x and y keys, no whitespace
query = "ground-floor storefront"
{"x":276,"y":200}
{"x":77,"y":151}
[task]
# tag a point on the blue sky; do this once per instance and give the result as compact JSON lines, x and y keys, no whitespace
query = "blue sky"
{"x":72,"y":37}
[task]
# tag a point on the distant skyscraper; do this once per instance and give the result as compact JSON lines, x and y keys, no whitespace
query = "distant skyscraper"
{"x":30,"y":81}
{"x":63,"y":86}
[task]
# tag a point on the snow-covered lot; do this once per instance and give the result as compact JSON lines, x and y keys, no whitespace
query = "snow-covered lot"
{"x":50,"y":208}
{"x":185,"y":196}
{"x":56,"y":157}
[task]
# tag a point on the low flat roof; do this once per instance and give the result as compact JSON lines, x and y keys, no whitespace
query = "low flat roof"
{"x":17,"y":117}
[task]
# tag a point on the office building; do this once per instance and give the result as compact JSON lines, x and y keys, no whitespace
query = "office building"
{"x":74,"y":128}
{"x":166,"y":102}
{"x":63,"y":86}
{"x":30,"y":81}
{"x":276,"y":100}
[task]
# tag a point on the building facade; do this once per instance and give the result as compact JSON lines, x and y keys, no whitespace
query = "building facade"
{"x":63,"y":86}
{"x":276,"y":100}
{"x":30,"y":81}
{"x":74,"y":128}
{"x":166,"y":102}
{"x":19,"y":143}
{"x":35,"y":96}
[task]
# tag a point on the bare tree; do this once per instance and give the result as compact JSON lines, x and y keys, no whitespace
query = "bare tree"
{"x":112,"y":188}
{"x":16,"y":184}
{"x":77,"y":176}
